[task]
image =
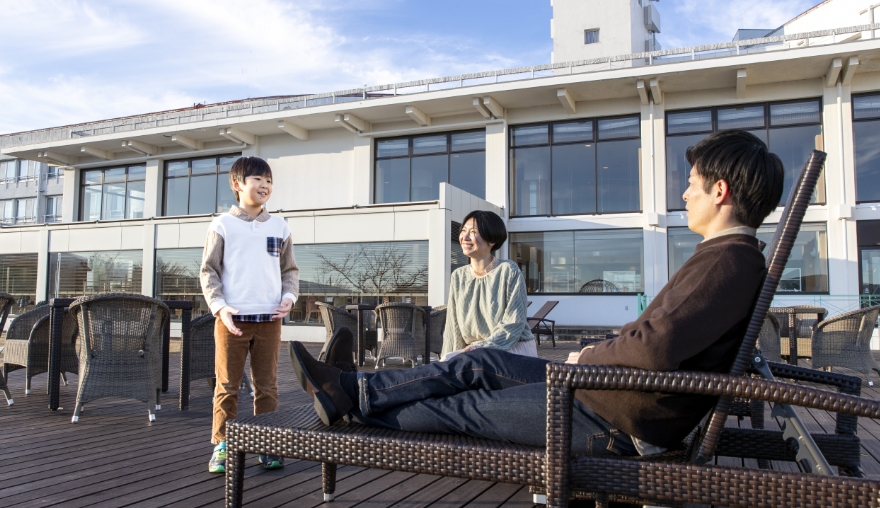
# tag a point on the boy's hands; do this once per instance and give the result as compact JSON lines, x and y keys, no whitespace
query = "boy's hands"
{"x":225,"y":314}
{"x":283,"y":309}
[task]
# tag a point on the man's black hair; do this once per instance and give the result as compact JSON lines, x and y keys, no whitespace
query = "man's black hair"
{"x":245,"y":167}
{"x":753,"y":174}
{"x":490,"y":226}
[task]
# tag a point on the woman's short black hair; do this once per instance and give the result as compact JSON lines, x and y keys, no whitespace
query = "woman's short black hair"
{"x":754,"y":174}
{"x":490,"y":226}
{"x":245,"y":167}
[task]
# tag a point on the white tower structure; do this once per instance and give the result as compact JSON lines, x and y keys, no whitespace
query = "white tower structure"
{"x":583,"y":29}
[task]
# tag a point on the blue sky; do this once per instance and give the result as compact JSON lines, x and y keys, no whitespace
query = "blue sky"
{"x":73,"y":61}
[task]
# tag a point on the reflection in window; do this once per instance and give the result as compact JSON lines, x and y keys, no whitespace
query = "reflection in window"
{"x":113,"y":193}
{"x":177,"y":277}
{"x":19,"y":280}
{"x":866,"y":137}
{"x":805,"y":272}
{"x":412,"y":168}
{"x":199,"y":186}
{"x":791,"y":130}
{"x":581,"y":167}
{"x":580,"y":261}
{"x":73,"y":274}
{"x":868,"y":235}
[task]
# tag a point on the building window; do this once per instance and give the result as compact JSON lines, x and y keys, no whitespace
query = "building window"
{"x":177,"y":277}
{"x":8,"y":170}
{"x":412,"y":168}
{"x":866,"y":137}
{"x":591,"y":36}
{"x":17,"y":211}
{"x":580,"y":261}
{"x":791,"y":130}
{"x":113,"y":193}
{"x":27,"y":170}
{"x":53,"y":209}
{"x":581,"y":167}
{"x":54,"y":172}
{"x":457,"y":259}
{"x":19,"y":279}
{"x":199,"y":186}
{"x":868,"y":235}
{"x":7,"y":211}
{"x":73,"y":274}
{"x":368,"y":273}
{"x":805,"y":272}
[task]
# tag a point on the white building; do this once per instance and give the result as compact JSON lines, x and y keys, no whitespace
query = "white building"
{"x":586,"y":167}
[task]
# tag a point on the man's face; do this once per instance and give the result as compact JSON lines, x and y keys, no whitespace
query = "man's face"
{"x":700,"y":205}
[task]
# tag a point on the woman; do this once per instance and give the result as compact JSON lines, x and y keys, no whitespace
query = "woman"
{"x":487,"y":298}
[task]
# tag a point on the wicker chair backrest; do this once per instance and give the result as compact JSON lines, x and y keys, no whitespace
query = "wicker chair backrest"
{"x":768,"y":340}
{"x":6,"y":302}
{"x":777,"y":256}
{"x":121,"y":324}
{"x":201,"y":359}
{"x":862,"y":320}
{"x":403,"y":326}
{"x":438,"y":325}
{"x":21,"y":326}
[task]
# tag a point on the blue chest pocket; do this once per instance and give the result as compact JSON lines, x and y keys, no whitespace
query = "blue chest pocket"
{"x":274,"y":245}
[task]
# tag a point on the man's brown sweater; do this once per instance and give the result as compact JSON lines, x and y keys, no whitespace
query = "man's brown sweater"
{"x":695,"y":323}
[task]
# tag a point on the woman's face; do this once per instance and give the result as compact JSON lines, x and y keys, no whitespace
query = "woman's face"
{"x":472,"y":244}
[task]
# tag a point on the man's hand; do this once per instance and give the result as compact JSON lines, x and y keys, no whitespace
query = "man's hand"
{"x":283,"y":309}
{"x":573,"y":357}
{"x":225,"y":314}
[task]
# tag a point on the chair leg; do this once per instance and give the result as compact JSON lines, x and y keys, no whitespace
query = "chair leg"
{"x":150,"y":414}
{"x":158,"y":399}
{"x":27,"y":385}
{"x":246,"y":384}
{"x":328,"y":480}
{"x":76,"y":411}
{"x":234,"y":477}
{"x":64,"y":379}
{"x":3,"y":387}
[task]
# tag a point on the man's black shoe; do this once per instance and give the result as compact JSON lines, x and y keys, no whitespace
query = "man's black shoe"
{"x":321,"y":382}
{"x":340,"y":351}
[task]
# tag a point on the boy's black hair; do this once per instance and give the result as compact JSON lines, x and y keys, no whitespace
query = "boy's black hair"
{"x":490,"y":226}
{"x":754,"y":174}
{"x":245,"y":167}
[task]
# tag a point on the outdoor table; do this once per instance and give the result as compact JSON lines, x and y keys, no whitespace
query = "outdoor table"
{"x":58,"y":305}
{"x":792,"y":313}
{"x":361,"y":339}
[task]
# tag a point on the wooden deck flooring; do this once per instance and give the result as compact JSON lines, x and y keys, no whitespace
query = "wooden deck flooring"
{"x":114,"y":457}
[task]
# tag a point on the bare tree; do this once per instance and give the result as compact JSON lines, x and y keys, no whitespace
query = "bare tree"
{"x":373,"y":271}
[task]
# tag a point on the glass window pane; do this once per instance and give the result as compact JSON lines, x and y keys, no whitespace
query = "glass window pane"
{"x":467,"y":171}
{"x":682,"y":243}
{"x":176,"y":196}
{"x":689,"y":121}
{"x":574,"y":178}
{"x":794,"y":113}
{"x":201,"y":194}
{"x":19,"y":280}
{"x":429,"y":144}
{"x":469,"y":141}
{"x":610,"y":260}
{"x":177,"y":277}
{"x":178,"y":168}
{"x":8,"y":210}
{"x":114,"y":175}
{"x":793,"y":145}
{"x":546,"y":260}
{"x":807,"y":268}
{"x":618,"y":176}
{"x":134,"y":206}
{"x":225,"y":198}
{"x":92,"y":176}
{"x":866,"y":106}
{"x":204,"y":166}
{"x":870,"y":281}
{"x":113,"y":207}
{"x":677,"y":168}
{"x":866,"y":137}
{"x":744,"y":117}
{"x":531,"y":180}
{"x":137,"y":173}
{"x":10,"y":170}
{"x":392,"y":147}
{"x":392,"y":181}
{"x":91,"y":208}
{"x":73,"y":274}
{"x":227,"y":162}
{"x":614,"y":128}
{"x":427,"y":173}
{"x":576,"y":131}
{"x":529,"y":135}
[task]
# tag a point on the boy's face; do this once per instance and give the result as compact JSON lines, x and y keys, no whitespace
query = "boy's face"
{"x":254,"y":191}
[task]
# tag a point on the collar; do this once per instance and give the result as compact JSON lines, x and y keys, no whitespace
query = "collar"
{"x":738,"y":230}
{"x":238,"y":213}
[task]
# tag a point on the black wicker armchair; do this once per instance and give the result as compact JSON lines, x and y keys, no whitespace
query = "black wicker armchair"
{"x":845,"y":341}
{"x":27,"y":345}
{"x":403,"y":328}
{"x":6,"y":303}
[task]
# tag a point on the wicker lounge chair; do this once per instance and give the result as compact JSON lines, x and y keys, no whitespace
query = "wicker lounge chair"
{"x":120,"y":351}
{"x":540,"y":325}
{"x":27,"y":345}
{"x":6,"y":302}
{"x":334,"y":319}
{"x":403,"y":325}
{"x":672,"y":479}
{"x":202,"y":350}
{"x":845,"y":341}
{"x":438,"y":325}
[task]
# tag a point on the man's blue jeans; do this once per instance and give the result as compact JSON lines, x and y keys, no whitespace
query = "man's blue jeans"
{"x":486,"y":393}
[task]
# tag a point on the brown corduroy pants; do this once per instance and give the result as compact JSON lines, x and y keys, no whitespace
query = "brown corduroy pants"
{"x":262,"y":341}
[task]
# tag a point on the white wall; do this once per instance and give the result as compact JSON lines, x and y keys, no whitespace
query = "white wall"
{"x":834,"y":14}
{"x":620,"y":23}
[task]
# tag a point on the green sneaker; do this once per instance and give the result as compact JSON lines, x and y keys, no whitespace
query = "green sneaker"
{"x":217,"y":464}
{"x":271,"y":461}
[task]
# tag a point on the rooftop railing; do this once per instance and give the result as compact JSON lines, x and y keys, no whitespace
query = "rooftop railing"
{"x":257,"y":106}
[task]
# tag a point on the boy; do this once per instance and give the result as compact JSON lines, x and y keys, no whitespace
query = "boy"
{"x":695,"y":323}
{"x":250,"y":281}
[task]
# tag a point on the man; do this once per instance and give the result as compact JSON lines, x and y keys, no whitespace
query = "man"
{"x":695,"y":323}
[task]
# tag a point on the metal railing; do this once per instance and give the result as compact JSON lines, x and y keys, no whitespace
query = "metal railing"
{"x":257,"y":106}
{"x":834,"y":304}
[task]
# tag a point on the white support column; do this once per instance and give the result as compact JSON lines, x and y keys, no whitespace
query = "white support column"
{"x":496,"y":166}
{"x":439,"y":258}
{"x":43,"y":265}
{"x":653,"y":175}
{"x":362,"y":171}
{"x":70,"y":199}
{"x":153,"y":188}
{"x":149,"y":267}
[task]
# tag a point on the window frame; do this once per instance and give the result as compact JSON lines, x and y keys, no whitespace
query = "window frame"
{"x":189,"y":176}
{"x":410,"y":155}
{"x":83,"y":185}
{"x":853,"y":133}
{"x":550,"y":144}
{"x":588,"y":32}
{"x":57,"y":201}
